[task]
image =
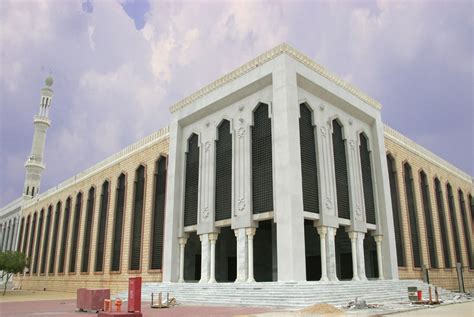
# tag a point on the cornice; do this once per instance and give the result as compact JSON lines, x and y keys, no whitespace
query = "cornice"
{"x":411,"y":145}
{"x":266,"y":57}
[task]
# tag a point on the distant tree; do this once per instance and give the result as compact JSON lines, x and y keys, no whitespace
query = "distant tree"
{"x":11,"y":262}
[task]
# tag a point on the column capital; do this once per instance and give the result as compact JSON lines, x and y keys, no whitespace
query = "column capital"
{"x":182,"y":240}
{"x":322,"y":230}
{"x":352,"y":235}
{"x":378,"y":238}
{"x":250,"y":231}
{"x":204,"y":237}
{"x":213,"y":236}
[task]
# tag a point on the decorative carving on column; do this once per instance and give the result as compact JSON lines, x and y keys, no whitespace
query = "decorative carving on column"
{"x":353,"y":237}
{"x":204,"y":257}
{"x":331,"y":254}
{"x":182,"y":243}
{"x":356,"y":185}
{"x":378,"y":240}
{"x":326,"y":170}
{"x":322,"y":231}
{"x":250,"y":233}
{"x":212,"y":239}
{"x":242,"y":169}
{"x":360,"y":256}
{"x":241,"y":237}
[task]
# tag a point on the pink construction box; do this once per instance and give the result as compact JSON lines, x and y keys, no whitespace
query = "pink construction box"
{"x":91,"y":298}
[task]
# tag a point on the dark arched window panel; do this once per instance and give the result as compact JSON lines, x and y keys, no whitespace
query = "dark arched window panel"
{"x":118,"y":223}
{"x":137,"y":219}
{"x":467,"y":232}
{"x":6,"y":233}
{"x":442,"y":223}
{"x":75,"y":233}
{"x":454,"y":223}
{"x":54,"y":238}
{"x":102,"y":228}
{"x":366,"y":168}
{"x":38,"y":242}
{"x":32,"y":240}
{"x":86,"y":242}
{"x":340,"y":169}
{"x":412,"y":215}
{"x":397,"y":215}
{"x":12,"y":235}
{"x":20,"y":235}
{"x":223,"y":186}
{"x":309,"y":169}
{"x":64,"y":237}
{"x":46,"y":240}
{"x":191,"y":186}
{"x":159,"y":202}
{"x":425,"y":194}
{"x":27,"y":231}
{"x":262,"y":160}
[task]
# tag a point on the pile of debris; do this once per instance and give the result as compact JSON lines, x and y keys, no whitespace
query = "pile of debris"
{"x":361,"y":304}
{"x":320,"y":309}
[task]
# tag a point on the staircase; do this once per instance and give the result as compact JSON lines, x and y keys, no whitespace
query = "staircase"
{"x":287,"y":294}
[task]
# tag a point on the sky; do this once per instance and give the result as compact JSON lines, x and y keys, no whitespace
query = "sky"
{"x":119,"y":65}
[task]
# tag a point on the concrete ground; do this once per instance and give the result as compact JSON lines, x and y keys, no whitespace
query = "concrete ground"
{"x":38,"y":303}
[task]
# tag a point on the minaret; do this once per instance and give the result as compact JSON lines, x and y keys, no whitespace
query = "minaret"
{"x":34,"y":164}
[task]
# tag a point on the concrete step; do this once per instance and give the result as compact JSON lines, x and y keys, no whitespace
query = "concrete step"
{"x":286,"y":294}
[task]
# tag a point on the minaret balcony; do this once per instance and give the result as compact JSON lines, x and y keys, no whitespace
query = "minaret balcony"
{"x":42,"y":119}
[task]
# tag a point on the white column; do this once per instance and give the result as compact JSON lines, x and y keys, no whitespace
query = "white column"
{"x":353,"y":237}
{"x":360,"y":256}
{"x":250,"y":233}
{"x":331,"y":254}
{"x":378,"y":240}
{"x":322,"y":239}
{"x":212,"y":240}
{"x":182,"y":244}
{"x":204,"y":257}
{"x":242,"y":253}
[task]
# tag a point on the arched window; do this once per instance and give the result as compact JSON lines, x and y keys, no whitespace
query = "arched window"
{"x":158,"y":213}
{"x":46,"y":240}
{"x":366,"y":168}
{"x":6,"y":234}
{"x":38,"y":242}
{"x":454,"y":223}
{"x":33,"y":191}
{"x":20,"y":236}
{"x":467,"y":234}
{"x":442,"y":223}
{"x":32,"y":240}
{"x":86,"y":242}
{"x":223,"y":186}
{"x":12,"y":234}
{"x":137,"y":219}
{"x":340,"y":168}
{"x":191,"y":186}
{"x":64,"y":236}
{"x":262,"y":158}
{"x":54,"y":238}
{"x":309,"y":170}
{"x":102,"y":228}
{"x":27,"y":231}
{"x":27,"y":190}
{"x":118,"y":223}
{"x":425,"y":194}
{"x":412,"y":215}
{"x":75,"y":233}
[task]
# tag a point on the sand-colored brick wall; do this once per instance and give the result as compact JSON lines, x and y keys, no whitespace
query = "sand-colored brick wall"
{"x":445,"y":277}
{"x":116,"y":281}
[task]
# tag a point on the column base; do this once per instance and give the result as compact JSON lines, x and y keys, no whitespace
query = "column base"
{"x":180,"y":281}
{"x":356,"y":279}
{"x":324,"y":279}
{"x":212,"y":280}
{"x":251,"y":280}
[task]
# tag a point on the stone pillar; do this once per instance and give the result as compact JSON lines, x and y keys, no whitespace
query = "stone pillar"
{"x":182,"y":243}
{"x":378,"y":240}
{"x":242,"y":252}
{"x":331,"y":254}
{"x":353,"y":237}
{"x":212,"y":240}
{"x":360,"y":256}
{"x":204,"y":257}
{"x":287,"y":184}
{"x":322,"y":231}
{"x":250,"y":233}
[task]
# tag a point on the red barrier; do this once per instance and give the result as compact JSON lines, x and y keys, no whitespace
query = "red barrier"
{"x":135,"y":294}
{"x":419,"y":293}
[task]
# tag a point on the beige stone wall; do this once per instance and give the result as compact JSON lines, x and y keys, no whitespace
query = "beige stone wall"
{"x":117,"y":281}
{"x":445,"y":277}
